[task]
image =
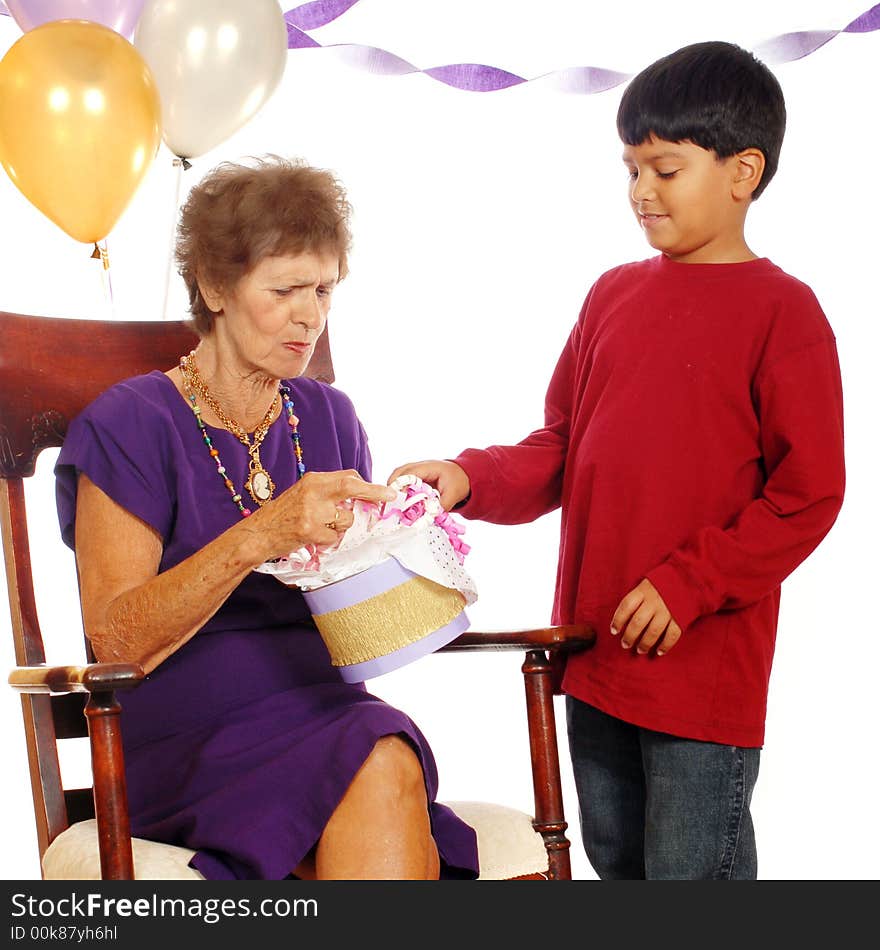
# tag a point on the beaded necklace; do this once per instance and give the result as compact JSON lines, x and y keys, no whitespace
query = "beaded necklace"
{"x":259,"y":483}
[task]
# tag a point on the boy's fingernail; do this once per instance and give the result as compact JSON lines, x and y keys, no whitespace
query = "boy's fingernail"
{"x":614,"y":631}
{"x":661,"y":653}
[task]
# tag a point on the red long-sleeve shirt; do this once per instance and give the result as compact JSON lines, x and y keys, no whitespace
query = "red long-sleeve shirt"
{"x":694,"y":436}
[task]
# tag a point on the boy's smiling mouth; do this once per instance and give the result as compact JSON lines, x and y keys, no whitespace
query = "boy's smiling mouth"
{"x":649,"y":219}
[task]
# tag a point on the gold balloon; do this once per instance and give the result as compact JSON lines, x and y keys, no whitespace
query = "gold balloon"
{"x":80,"y":123}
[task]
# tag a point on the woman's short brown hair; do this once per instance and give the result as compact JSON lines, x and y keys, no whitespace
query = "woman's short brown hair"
{"x":240,"y":213}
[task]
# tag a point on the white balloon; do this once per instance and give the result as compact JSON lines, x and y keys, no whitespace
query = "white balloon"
{"x":215,"y":62}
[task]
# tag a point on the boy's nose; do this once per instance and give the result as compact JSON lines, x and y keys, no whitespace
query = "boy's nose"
{"x":641,"y":188}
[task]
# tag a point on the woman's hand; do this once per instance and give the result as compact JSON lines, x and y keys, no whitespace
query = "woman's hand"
{"x":134,"y":614}
{"x":449,"y":478}
{"x":311,"y":511}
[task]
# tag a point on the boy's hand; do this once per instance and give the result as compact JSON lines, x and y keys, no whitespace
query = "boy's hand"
{"x":641,"y":617}
{"x":448,"y":478}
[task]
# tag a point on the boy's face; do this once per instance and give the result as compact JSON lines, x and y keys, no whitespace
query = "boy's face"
{"x":683,"y":198}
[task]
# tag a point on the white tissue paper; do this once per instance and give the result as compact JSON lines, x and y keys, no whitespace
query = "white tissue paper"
{"x":413,"y":528}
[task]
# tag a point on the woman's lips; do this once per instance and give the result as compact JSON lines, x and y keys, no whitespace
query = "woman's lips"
{"x":297,"y":347}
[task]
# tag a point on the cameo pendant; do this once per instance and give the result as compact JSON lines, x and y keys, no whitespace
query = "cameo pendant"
{"x":259,"y":483}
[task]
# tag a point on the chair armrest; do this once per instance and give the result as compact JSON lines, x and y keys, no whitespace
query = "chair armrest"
{"x":91,"y":678}
{"x":100,"y":681}
{"x":566,"y":637}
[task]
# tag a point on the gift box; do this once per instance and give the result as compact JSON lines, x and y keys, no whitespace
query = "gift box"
{"x":392,"y":589}
{"x":384,"y":618}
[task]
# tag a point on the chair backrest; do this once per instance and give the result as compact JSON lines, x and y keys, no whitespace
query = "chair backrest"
{"x":50,"y":369}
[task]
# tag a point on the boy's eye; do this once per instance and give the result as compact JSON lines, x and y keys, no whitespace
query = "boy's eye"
{"x":666,"y":174}
{"x":632,"y":174}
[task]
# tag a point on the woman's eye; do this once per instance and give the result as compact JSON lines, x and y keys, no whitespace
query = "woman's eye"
{"x":323,"y":291}
{"x":283,"y":291}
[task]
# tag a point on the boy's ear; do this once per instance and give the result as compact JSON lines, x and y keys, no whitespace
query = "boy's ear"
{"x":747,"y":172}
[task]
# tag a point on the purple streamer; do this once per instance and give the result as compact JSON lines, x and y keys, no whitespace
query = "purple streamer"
{"x":477,"y":77}
{"x":792,"y":46}
{"x":375,"y":60}
{"x":474,"y":77}
{"x":309,"y":16}
{"x":866,"y":23}
{"x":296,"y":39}
{"x":586,"y":79}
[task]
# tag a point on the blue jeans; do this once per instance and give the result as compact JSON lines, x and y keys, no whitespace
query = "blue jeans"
{"x":657,"y":807}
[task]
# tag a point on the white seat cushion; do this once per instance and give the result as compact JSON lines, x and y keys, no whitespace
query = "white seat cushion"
{"x":73,"y":856}
{"x":507,"y":844}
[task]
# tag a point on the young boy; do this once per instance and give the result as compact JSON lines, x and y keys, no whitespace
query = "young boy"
{"x":694,"y":439}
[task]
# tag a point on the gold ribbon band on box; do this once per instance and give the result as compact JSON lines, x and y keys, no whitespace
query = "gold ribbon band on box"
{"x":393,"y":619}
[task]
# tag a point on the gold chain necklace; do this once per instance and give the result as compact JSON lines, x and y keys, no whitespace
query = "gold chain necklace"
{"x":259,"y":482}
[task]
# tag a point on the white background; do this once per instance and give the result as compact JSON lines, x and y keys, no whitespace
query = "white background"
{"x":480,"y":222}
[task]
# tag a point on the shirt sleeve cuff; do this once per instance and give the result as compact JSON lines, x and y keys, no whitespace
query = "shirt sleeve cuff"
{"x":682,"y":599}
{"x":480,"y":470}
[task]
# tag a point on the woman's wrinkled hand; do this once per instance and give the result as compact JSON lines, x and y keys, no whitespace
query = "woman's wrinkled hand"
{"x":313,"y":510}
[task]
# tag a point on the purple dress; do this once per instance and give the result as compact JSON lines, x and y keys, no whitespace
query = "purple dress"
{"x":240,"y":744}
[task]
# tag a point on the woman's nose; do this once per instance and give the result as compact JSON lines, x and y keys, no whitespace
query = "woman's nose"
{"x":309,"y":311}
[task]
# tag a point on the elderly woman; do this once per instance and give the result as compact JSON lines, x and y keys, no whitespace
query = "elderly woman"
{"x":243,"y":743}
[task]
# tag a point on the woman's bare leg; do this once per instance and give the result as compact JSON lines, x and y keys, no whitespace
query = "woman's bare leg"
{"x":381,"y":829}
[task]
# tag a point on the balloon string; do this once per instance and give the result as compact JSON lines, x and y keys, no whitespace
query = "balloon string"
{"x":179,"y":164}
{"x":101,"y":254}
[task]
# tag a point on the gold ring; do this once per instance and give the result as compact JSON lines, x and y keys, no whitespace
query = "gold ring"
{"x":332,"y":524}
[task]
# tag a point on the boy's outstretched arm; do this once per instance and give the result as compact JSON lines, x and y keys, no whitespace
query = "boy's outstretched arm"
{"x":512,"y":484}
{"x":505,"y":484}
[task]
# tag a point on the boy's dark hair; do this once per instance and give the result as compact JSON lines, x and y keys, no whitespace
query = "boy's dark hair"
{"x":716,"y":95}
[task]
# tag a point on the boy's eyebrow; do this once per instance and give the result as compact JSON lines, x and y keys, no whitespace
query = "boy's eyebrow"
{"x":669,"y":153}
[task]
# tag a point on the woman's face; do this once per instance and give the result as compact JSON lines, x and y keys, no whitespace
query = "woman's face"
{"x":273,"y":316}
